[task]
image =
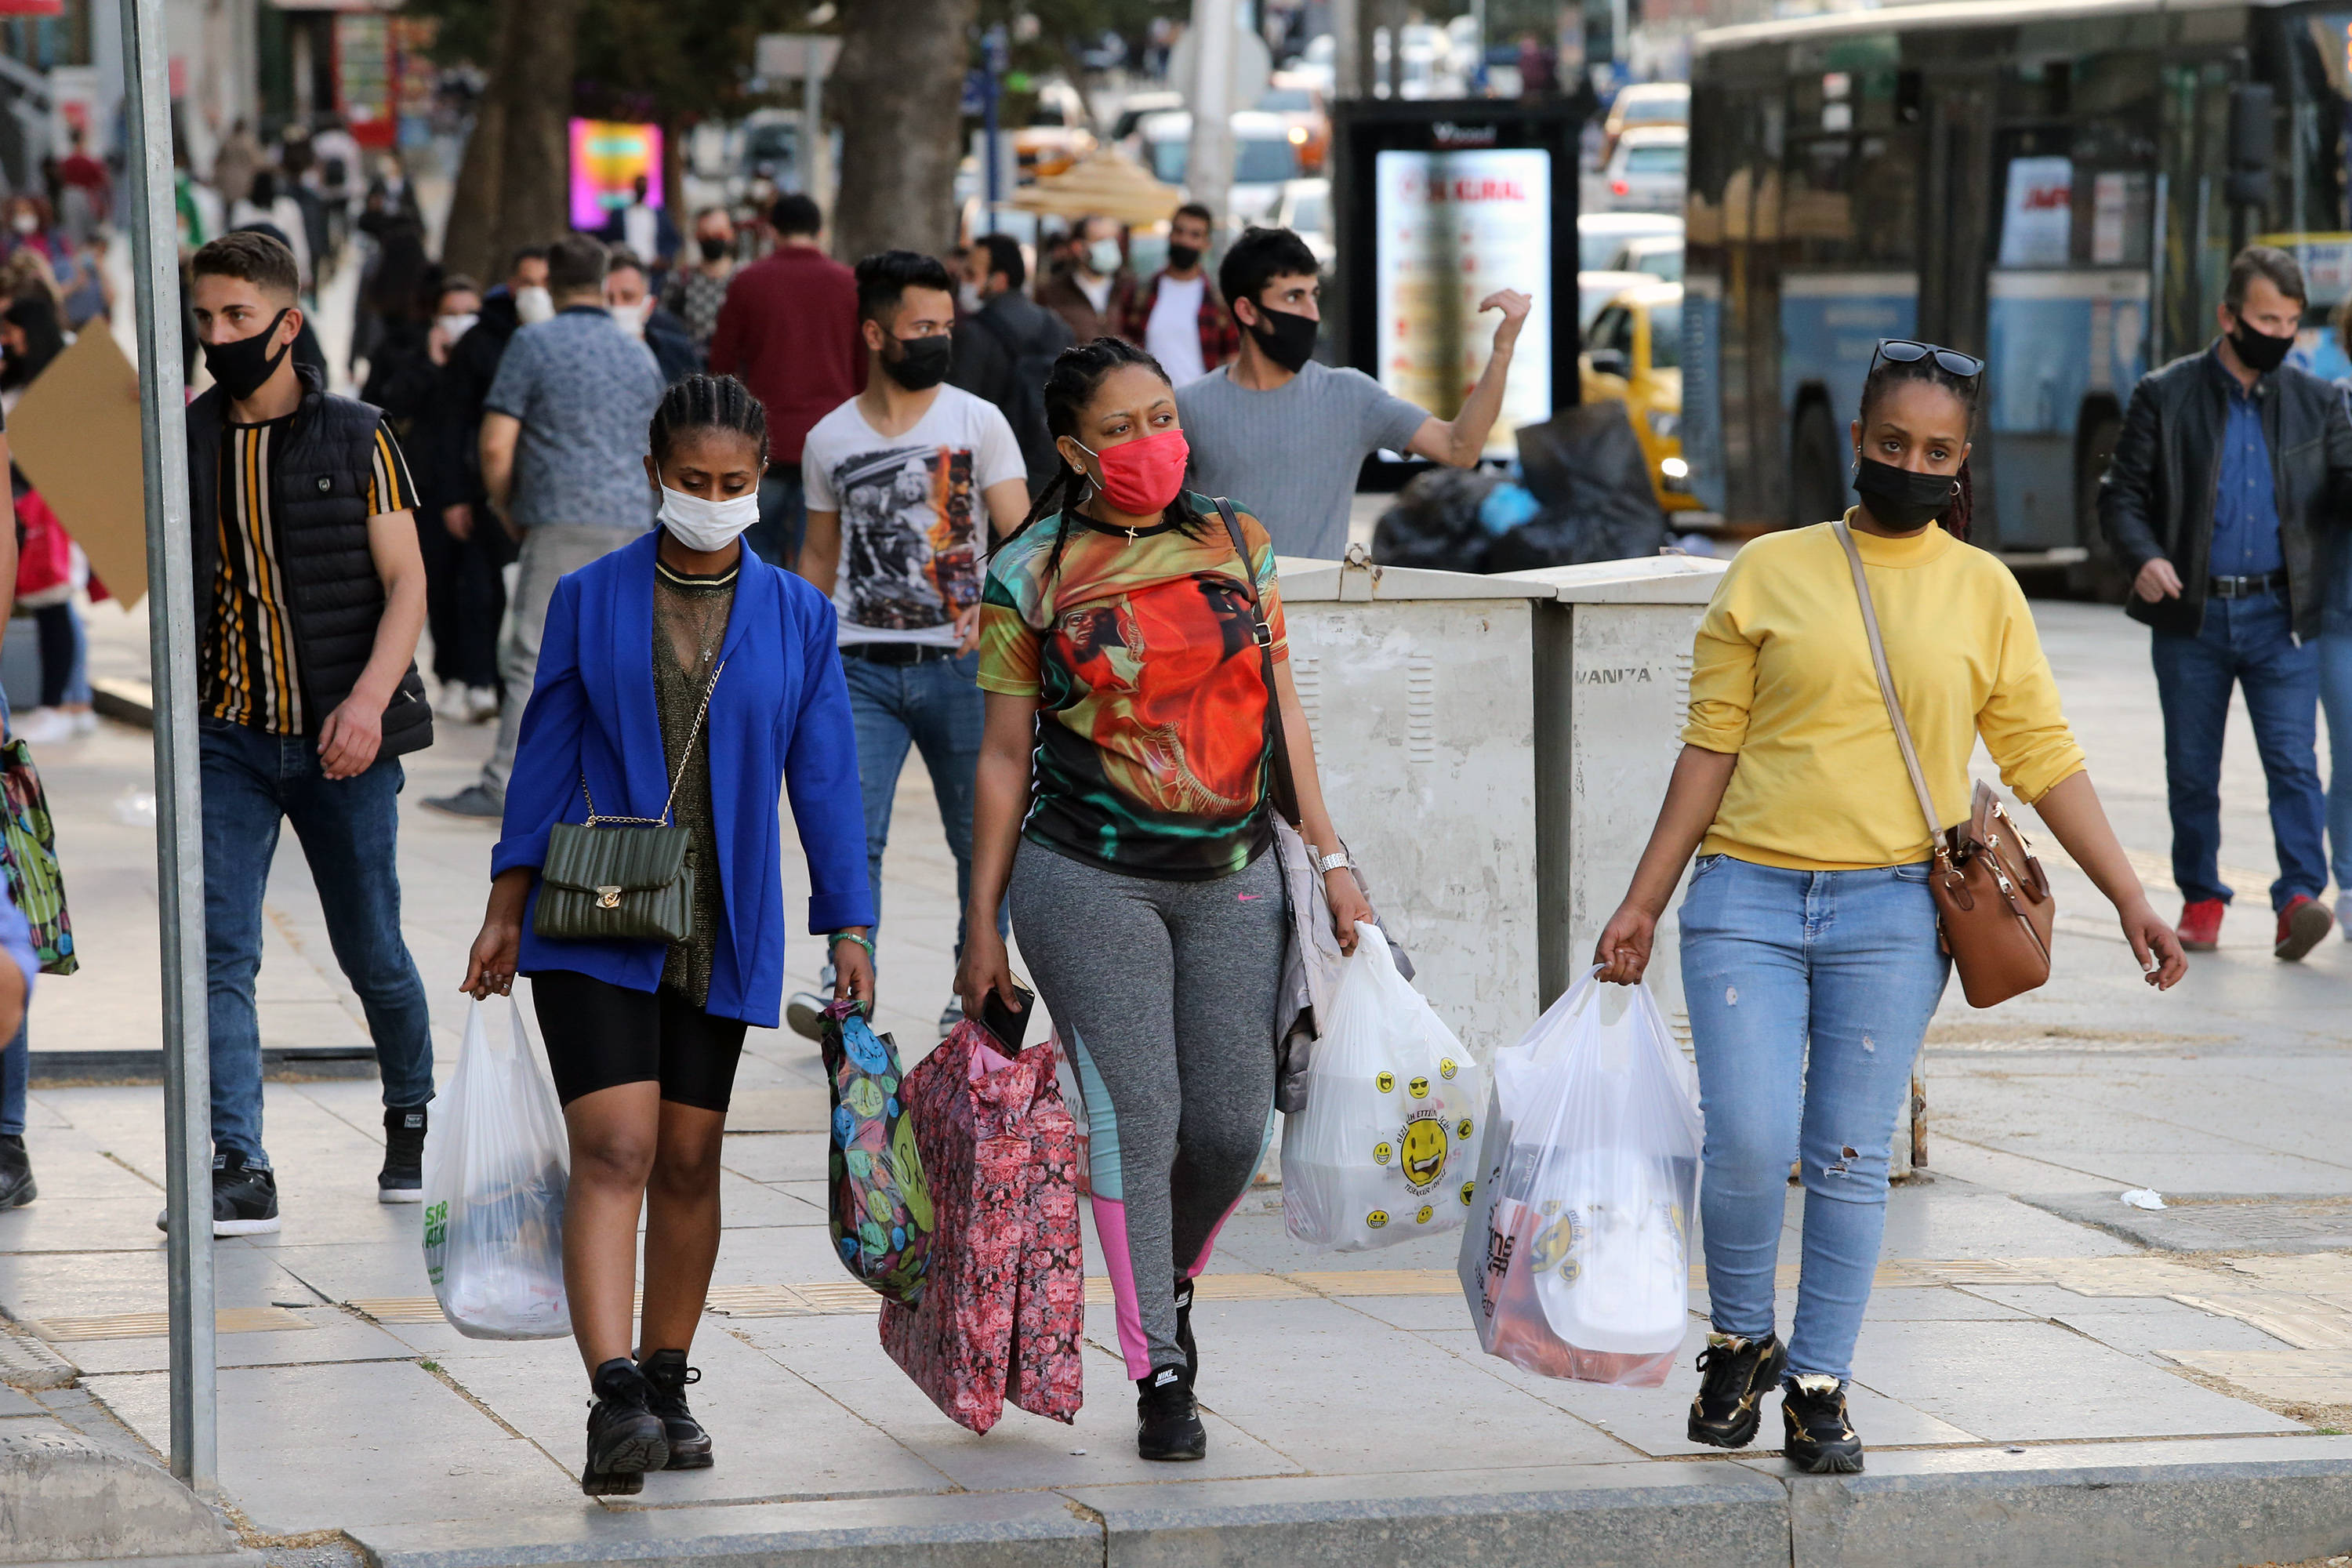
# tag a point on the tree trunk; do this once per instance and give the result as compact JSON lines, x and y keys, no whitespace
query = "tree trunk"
{"x":473,"y":205}
{"x":514,"y":187}
{"x":895,"y":90}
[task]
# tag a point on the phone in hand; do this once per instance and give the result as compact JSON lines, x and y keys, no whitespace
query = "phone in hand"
{"x":1005,"y":1023}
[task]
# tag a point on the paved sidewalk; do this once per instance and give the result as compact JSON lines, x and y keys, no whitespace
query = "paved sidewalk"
{"x":2046,"y":1374}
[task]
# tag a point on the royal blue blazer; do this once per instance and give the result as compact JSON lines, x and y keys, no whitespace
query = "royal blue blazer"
{"x":778,"y":723}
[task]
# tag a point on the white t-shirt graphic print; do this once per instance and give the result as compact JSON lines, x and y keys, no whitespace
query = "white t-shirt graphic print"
{"x":914,"y":525}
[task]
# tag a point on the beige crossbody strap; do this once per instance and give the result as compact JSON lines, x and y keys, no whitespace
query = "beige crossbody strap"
{"x":1887,"y":684}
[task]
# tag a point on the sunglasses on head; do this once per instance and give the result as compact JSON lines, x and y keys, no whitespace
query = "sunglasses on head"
{"x":1904,"y":351}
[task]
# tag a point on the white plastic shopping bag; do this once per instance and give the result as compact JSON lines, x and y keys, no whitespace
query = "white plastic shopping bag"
{"x":1576,"y":1259}
{"x":496,"y":1162}
{"x":1382,"y":1150}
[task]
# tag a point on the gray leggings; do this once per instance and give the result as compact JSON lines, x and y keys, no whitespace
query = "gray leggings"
{"x":1164,"y":991}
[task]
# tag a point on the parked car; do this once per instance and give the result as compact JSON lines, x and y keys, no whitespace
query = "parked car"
{"x":1645,"y":103}
{"x":1305,"y":211}
{"x":1633,"y":354}
{"x":1600,"y":236}
{"x":1264,"y":157}
{"x":1296,"y":98}
{"x":1594,"y":289}
{"x":1659,"y":255}
{"x":1645,"y":171}
{"x":1136,"y":105}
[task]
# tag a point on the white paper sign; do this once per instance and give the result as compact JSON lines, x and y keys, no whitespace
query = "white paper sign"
{"x":2038,"y":219}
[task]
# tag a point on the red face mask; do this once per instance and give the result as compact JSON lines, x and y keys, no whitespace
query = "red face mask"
{"x":1141,"y":478}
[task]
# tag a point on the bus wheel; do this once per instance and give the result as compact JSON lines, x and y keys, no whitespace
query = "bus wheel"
{"x":2101,"y":576}
{"x":1817,"y":477}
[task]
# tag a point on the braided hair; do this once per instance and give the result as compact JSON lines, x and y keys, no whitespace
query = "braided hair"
{"x":706,"y":403}
{"x":1078,"y":371}
{"x":1956,"y":517}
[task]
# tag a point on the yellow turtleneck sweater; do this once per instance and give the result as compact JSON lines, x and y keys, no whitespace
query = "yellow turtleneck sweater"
{"x":1781,"y":677}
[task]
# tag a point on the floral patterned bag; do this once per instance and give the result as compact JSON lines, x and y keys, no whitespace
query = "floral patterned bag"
{"x":881,"y":1208}
{"x":1006,"y":1305}
{"x":29,"y":849}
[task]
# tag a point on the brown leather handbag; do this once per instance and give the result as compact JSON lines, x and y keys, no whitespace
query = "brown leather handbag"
{"x":1993,"y":907}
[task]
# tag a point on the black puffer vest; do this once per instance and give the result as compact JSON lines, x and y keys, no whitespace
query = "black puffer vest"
{"x":318,"y":496}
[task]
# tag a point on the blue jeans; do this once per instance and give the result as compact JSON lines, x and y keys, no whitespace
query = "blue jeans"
{"x":936,"y":707}
{"x":783,"y":517}
{"x":349,"y":830}
{"x":1809,"y":993}
{"x":2248,"y":643}
{"x":2336,"y":697}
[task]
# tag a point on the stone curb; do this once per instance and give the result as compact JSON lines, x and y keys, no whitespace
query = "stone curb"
{"x":2123,"y":1505}
{"x":64,"y":1497}
{"x":28,"y":1363}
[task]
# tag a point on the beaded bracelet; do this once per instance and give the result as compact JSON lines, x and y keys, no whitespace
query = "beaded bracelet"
{"x":842,"y":936}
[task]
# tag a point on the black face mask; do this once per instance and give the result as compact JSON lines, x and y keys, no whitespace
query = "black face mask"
{"x":1286,"y":338}
{"x":919,"y":363}
{"x":1183,"y":257}
{"x":1899,"y":499}
{"x":242,"y":366}
{"x":2259,"y":351}
{"x":713,"y":247}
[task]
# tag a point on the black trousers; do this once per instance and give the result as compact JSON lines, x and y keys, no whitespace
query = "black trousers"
{"x":465,"y":597}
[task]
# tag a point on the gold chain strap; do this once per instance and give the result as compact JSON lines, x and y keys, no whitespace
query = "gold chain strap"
{"x":685,"y":754}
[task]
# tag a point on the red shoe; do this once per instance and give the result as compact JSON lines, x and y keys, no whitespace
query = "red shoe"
{"x":2200,"y":924}
{"x":2304,"y":924}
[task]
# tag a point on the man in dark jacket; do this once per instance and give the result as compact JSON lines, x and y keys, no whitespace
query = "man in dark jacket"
{"x":1004,"y":347}
{"x":628,"y":295}
{"x":2232,"y":470}
{"x":310,"y":596}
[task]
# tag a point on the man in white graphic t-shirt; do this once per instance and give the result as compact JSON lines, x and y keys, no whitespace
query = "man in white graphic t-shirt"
{"x":905,"y":482}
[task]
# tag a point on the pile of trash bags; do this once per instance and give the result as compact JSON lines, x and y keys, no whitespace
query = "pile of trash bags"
{"x":1582,"y":493}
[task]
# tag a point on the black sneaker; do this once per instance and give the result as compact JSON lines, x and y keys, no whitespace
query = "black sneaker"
{"x":1184,"y":1333}
{"x":626,"y":1438}
{"x":401,"y":1180}
{"x":1167,"y":1422}
{"x":1820,"y":1440}
{"x":245,"y":1199}
{"x":17,"y":1184}
{"x":689,"y":1445}
{"x":1734,"y":1374}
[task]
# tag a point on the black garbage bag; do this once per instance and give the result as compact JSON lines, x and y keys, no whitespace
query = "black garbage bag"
{"x":1435,"y":521}
{"x":1585,"y":465}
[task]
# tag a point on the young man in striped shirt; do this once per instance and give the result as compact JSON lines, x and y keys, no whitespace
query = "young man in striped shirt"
{"x":310,"y":596}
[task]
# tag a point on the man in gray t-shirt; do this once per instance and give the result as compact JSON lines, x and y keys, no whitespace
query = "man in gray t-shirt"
{"x":1285,"y":434}
{"x":564,"y":442}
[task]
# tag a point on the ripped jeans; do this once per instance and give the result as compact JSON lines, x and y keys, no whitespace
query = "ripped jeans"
{"x":1808,"y":994}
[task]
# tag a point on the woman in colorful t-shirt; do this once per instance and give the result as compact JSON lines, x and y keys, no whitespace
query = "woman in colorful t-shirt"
{"x":1117,"y":647}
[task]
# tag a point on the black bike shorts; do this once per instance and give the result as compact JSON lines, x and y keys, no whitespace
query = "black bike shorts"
{"x":600,"y":1035}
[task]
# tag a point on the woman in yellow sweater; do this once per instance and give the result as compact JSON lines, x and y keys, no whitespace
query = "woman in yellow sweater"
{"x":1810,"y":955}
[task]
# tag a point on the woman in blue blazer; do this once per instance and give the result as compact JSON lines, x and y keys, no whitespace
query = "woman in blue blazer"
{"x":679,"y":675}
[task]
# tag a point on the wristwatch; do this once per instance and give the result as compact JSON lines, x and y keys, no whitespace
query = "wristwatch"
{"x":1330,"y":863}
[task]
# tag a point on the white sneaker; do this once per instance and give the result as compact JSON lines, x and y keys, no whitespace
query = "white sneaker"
{"x":83,"y":722}
{"x":950,"y":1016}
{"x":481,"y":704}
{"x":41,"y":726}
{"x":450,"y":701}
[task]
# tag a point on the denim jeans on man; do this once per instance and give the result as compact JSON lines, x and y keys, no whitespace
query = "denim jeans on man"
{"x":783,"y":517}
{"x":1809,"y":993}
{"x":936,"y":707}
{"x":2336,"y":698}
{"x":349,"y":830}
{"x":2246,"y":643}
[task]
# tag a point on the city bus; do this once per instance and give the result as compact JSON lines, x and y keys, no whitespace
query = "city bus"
{"x":2055,"y":185}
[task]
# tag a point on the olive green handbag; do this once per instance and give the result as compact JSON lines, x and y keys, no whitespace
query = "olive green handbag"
{"x":621,"y":877}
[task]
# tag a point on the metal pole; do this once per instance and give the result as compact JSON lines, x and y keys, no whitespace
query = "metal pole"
{"x":179,"y":831}
{"x":1209,"y":166}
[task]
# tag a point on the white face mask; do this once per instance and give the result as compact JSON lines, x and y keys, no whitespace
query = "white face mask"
{"x":632,"y":318}
{"x":967,"y":296}
{"x":533,"y":306}
{"x":1102,"y":257}
{"x":456,"y":327}
{"x":701,"y":524}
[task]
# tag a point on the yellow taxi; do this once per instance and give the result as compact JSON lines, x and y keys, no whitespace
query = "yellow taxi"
{"x":1632,"y":355}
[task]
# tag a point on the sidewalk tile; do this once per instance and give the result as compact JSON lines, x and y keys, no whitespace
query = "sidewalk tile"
{"x":330,"y":1448}
{"x":334,"y":1336}
{"x":89,"y":1284}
